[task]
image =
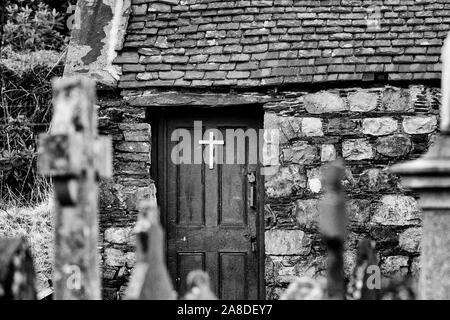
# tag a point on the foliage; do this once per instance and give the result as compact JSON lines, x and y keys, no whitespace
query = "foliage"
{"x":33,"y":25}
{"x":25,"y":111}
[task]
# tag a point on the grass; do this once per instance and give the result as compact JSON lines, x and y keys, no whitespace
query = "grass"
{"x":35,"y":224}
{"x":20,"y":62}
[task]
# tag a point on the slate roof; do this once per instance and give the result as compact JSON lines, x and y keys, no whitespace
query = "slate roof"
{"x":200,"y":43}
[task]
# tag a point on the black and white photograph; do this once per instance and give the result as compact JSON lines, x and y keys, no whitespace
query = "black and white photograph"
{"x":240,"y":152}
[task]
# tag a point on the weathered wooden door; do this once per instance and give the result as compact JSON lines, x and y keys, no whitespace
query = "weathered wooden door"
{"x":212,"y":212}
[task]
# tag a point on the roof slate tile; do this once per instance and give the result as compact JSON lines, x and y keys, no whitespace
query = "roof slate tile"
{"x":267,"y":42}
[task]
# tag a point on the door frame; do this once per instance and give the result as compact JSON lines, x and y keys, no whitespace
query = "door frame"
{"x":157,"y":117}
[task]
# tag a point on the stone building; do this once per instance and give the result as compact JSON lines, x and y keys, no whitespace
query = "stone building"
{"x":356,"y":79}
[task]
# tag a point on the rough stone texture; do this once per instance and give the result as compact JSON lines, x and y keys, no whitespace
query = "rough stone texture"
{"x":312,"y":127}
{"x":301,"y":153}
{"x":328,"y":153}
{"x":410,"y":240}
{"x":286,"y":242}
{"x":290,"y":127}
{"x":370,"y":134}
{"x":393,"y":146}
{"x":359,"y":211}
{"x":357,"y":149}
{"x":323,"y":102}
{"x":397,"y":210}
{"x":314,"y":180}
{"x":288,"y":181}
{"x":119,"y":235}
{"x":396,"y":99}
{"x":379,"y":126}
{"x":419,"y":125}
{"x":114,"y":257}
{"x":307,"y":213}
{"x":120,"y":195}
{"x":363,"y":101}
{"x":395,"y":266}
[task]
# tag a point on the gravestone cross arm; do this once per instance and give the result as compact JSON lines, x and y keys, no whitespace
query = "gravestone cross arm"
{"x":73,"y":143}
{"x":75,"y":157}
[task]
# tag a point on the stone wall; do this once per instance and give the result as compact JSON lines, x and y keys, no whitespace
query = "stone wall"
{"x":370,"y":128}
{"x":120,"y":195}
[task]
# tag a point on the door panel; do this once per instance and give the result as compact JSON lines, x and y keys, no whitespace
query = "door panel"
{"x":210,"y":222}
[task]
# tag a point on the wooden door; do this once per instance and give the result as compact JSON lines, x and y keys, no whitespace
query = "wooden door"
{"x":213,"y":214}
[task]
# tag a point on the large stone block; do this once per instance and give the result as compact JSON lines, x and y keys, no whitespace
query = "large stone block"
{"x":357,"y":149}
{"x":349,"y":262}
{"x":395,"y":266}
{"x":376,"y":180}
{"x":328,"y":153}
{"x":128,"y":167}
{"x":134,"y":195}
{"x":363,"y":101}
{"x":114,"y":257}
{"x":314,"y":180}
{"x":396,"y":100}
{"x":342,"y":126}
{"x":130,"y":259}
{"x":110,"y":195}
{"x":396,"y":145}
{"x":323,"y":102}
{"x":136,"y":136}
{"x":133,"y":146}
{"x":287,"y":242}
{"x":301,"y":153}
{"x":283,"y":270}
{"x":410,"y":240}
{"x":397,"y":210}
{"x":119,"y":235}
{"x":359,"y":211}
{"x":290,"y":128}
{"x":419,"y":124}
{"x":288,"y":181}
{"x":312,"y":266}
{"x":307,"y":213}
{"x":312,"y":127}
{"x":379,"y":126}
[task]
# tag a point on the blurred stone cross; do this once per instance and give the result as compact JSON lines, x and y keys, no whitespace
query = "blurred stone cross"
{"x":75,"y":157}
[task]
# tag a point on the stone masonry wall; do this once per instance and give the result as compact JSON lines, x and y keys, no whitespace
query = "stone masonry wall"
{"x":370,"y":128}
{"x":120,"y":195}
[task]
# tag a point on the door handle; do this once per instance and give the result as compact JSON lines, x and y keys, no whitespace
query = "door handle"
{"x":251,"y":177}
{"x":253,"y":244}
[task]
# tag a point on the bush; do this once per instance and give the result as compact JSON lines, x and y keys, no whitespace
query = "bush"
{"x":33,"y":25}
{"x":31,"y":55}
{"x":25,"y":111}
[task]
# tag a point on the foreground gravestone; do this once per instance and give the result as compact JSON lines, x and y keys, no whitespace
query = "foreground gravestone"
{"x":429,"y":176}
{"x":75,"y":157}
{"x":333,"y":226}
{"x":17,"y":274}
{"x":150,"y":279}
